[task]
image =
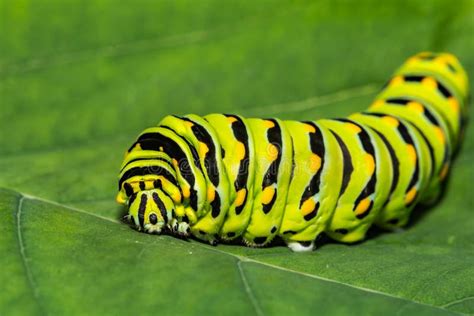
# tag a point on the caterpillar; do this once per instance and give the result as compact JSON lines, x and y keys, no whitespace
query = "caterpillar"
{"x":223,"y":177}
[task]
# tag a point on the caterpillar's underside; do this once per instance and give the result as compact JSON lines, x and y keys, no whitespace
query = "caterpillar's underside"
{"x":222,"y":177}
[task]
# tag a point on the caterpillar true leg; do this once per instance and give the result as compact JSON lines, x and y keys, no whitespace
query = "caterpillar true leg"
{"x":224,"y":177}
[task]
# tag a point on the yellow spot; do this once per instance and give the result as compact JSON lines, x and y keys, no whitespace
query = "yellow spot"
{"x":396,"y":81}
{"x":453,"y":104}
{"x":390,"y":121}
{"x":240,"y":151}
{"x":309,"y":128}
{"x":186,"y":192}
{"x":231,"y":119}
{"x":411,"y":153}
{"x":377,"y":103}
{"x":148,"y":185}
{"x":410,"y":195}
{"x":211,"y":194}
{"x":308,"y":206}
{"x":272,"y":152}
{"x":268,"y":124}
{"x":314,"y":163}
{"x":240,"y":198}
{"x":135,"y":186}
{"x":440,"y":134}
{"x":444,"y":172}
{"x":120,"y":199}
{"x":370,"y":163}
{"x":203,"y":149}
{"x":353,"y":128}
{"x":416,"y":106}
{"x":363,"y":206}
{"x":137,"y":147}
{"x":429,"y":82}
{"x":267,"y":194}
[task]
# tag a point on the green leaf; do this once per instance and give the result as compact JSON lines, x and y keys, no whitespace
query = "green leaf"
{"x":79,"y":81}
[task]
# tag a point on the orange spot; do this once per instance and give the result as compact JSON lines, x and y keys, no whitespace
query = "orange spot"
{"x":188,"y":124}
{"x":453,"y":104}
{"x":411,"y":153}
{"x":410,"y":196}
{"x":308,"y":206}
{"x":363,"y":206}
{"x":268,"y":124}
{"x":203,"y":149}
{"x":186,"y":192}
{"x":231,"y":119}
{"x":240,"y":198}
{"x":377,"y":103}
{"x":314,"y":163}
{"x":369,"y":163}
{"x":353,"y":128}
{"x":176,"y":196}
{"x":396,"y":81}
{"x":272,"y":152}
{"x":267,"y":194}
{"x":390,"y":121}
{"x":211,"y":194}
{"x":240,"y":151}
{"x":309,"y":128}
{"x":440,"y":134}
{"x":175,"y":162}
{"x":429,"y":82}
{"x":416,"y":106}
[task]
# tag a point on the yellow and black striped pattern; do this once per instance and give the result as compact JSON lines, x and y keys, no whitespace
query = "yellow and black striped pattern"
{"x":225,"y":177}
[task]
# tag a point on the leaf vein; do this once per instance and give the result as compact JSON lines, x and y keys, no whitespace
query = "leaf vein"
{"x":247,"y":259}
{"x":113,"y":50}
{"x":316,"y":101}
{"x":21,"y":245}
{"x":248,"y":290}
{"x":459,"y":301}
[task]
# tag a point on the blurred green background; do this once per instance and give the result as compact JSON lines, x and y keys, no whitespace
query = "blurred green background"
{"x":80,"y":79}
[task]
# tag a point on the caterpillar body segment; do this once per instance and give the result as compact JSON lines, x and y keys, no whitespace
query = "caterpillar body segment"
{"x":411,"y":165}
{"x":433,"y":131}
{"x":366,"y":179}
{"x":223,"y":177}
{"x":237,"y":150}
{"x":315,"y":182}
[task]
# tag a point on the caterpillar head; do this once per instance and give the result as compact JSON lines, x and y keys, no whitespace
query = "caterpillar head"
{"x":151,"y":211}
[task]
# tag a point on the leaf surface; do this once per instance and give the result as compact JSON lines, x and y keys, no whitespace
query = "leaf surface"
{"x":77,"y":84}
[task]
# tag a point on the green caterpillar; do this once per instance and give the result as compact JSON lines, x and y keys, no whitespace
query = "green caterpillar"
{"x":222,"y":177}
